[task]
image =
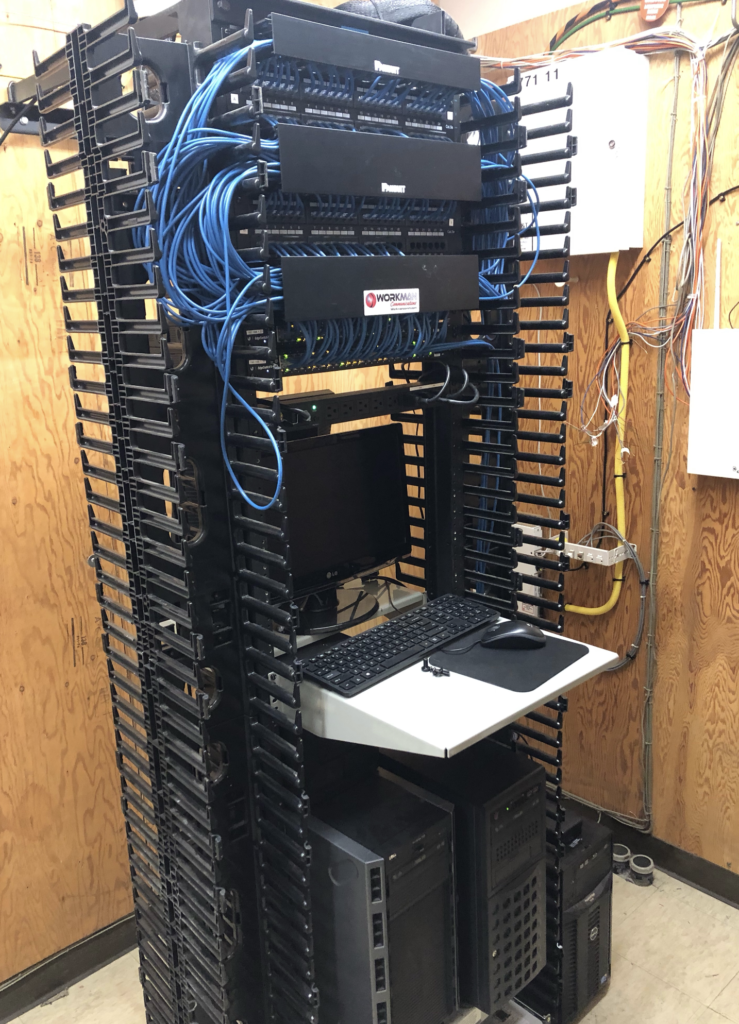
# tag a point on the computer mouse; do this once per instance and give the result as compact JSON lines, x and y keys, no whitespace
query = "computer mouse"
{"x":513,"y":635}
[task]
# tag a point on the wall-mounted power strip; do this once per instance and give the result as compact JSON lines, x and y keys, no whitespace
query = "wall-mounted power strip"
{"x":598,"y":556}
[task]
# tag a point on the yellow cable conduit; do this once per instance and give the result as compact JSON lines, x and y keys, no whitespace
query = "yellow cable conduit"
{"x":618,"y":467}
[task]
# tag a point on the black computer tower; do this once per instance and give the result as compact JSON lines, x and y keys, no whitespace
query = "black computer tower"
{"x":500,"y":840}
{"x":580,"y":966}
{"x":382,"y":886}
{"x":587,"y":885}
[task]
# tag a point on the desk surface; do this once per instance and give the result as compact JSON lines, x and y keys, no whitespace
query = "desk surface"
{"x":416,"y":712}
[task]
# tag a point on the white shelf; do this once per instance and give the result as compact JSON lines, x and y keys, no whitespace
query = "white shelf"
{"x":419,"y":713}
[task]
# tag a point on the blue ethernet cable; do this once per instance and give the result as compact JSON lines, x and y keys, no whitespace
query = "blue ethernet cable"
{"x":489,"y":100}
{"x":208,"y":284}
{"x":535,"y":204}
{"x":330,"y":82}
{"x":485,"y":102}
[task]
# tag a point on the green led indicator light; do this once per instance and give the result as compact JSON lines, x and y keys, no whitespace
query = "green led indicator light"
{"x":314,"y":407}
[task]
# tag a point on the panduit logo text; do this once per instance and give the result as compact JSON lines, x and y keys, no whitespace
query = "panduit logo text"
{"x":393,"y":188}
{"x":386,"y":69}
{"x":374,"y":297}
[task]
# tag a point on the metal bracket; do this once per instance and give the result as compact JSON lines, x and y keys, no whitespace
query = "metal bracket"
{"x":598,"y":556}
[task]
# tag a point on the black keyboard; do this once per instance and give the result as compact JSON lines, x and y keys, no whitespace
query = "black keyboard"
{"x":360,"y":661}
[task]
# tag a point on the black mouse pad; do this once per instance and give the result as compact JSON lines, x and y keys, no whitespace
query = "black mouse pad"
{"x":521,"y":671}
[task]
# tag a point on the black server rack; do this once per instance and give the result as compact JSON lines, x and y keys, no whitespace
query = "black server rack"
{"x":193,"y":580}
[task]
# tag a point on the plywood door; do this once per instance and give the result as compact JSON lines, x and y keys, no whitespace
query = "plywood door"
{"x":696,"y":705}
{"x":63,"y":864}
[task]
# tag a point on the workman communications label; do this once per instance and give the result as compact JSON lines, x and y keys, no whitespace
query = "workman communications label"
{"x":384,"y":303}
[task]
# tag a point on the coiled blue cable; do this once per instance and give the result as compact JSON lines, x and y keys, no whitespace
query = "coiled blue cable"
{"x":211,"y":286}
{"x":208,"y":283}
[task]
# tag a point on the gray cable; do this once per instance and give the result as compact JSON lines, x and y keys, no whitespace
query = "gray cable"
{"x":660,"y":470}
{"x":644,"y":824}
{"x":606,"y":530}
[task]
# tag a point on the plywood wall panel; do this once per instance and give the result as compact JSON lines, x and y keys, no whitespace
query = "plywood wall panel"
{"x":696,"y":721}
{"x":63,"y":865}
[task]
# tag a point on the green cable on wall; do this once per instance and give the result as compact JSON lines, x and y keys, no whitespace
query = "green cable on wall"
{"x":567,"y":32}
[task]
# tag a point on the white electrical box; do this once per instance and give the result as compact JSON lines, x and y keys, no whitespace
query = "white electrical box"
{"x":609,"y":121}
{"x":713,"y":442}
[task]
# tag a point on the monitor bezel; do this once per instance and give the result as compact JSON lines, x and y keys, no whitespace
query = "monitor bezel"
{"x":336,"y":575}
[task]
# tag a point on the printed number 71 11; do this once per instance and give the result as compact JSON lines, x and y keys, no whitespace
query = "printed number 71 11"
{"x":552,"y":75}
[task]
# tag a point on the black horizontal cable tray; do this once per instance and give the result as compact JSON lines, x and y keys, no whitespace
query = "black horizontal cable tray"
{"x":329,"y":287}
{"x":359,"y":23}
{"x":556,"y":103}
{"x":312,"y":41}
{"x":323,"y":160}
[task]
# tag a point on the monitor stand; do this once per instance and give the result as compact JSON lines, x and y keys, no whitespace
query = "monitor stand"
{"x":330,"y":611}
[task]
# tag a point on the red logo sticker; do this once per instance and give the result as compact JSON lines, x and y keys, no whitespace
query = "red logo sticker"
{"x":371,"y":300}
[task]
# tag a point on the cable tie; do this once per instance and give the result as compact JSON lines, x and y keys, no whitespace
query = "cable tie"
{"x":625,"y":451}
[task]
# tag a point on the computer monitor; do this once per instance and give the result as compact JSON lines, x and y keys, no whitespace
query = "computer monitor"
{"x":347,"y":505}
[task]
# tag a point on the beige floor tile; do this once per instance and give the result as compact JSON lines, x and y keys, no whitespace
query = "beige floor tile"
{"x":636,"y":997}
{"x":675,"y":888}
{"x":627,"y":897}
{"x":681,"y":945}
{"x":110,"y":996}
{"x":727,"y":1002}
{"x":676,"y":951}
{"x":468,"y":1017}
{"x":708,"y":1016}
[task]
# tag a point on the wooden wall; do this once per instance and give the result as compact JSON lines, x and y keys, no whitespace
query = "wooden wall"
{"x":63,"y":864}
{"x":696,"y":711}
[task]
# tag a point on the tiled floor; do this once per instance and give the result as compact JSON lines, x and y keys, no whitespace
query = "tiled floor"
{"x":675,"y":961}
